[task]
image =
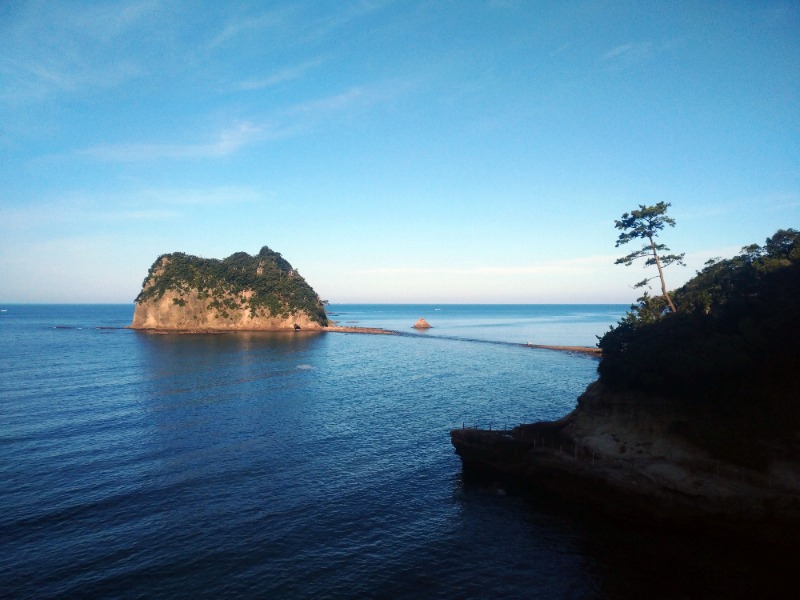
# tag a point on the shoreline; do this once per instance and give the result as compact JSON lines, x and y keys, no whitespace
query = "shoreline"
{"x":590,"y":350}
{"x":213,"y":331}
{"x":367,"y":330}
{"x":612,"y":456}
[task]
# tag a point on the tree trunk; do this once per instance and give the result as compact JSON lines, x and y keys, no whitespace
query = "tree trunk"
{"x":661,"y":276}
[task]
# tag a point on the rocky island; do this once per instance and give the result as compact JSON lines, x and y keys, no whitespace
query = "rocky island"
{"x":242,"y":292}
{"x":695,"y":417}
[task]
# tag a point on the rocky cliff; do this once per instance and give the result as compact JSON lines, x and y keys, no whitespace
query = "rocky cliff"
{"x":624,"y":457}
{"x":241,"y":292}
{"x":695,"y":416}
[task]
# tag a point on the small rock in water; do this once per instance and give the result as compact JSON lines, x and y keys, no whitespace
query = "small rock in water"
{"x":422,"y":324}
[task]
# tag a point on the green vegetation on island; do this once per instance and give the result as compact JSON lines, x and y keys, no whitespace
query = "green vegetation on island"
{"x":264,"y":284}
{"x":728,"y":349}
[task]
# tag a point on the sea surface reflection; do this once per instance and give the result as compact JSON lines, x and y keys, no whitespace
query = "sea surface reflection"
{"x":303,"y":464}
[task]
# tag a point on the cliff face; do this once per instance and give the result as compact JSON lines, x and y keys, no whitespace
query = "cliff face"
{"x":241,"y":292}
{"x":695,"y":416}
{"x":195,"y":314}
{"x":614,"y":455}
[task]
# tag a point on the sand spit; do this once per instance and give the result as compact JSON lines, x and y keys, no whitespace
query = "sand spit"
{"x":594,"y":351}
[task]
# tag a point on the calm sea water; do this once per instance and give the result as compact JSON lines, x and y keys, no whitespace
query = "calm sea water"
{"x":307,"y":465}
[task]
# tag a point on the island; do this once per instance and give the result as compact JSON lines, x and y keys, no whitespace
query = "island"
{"x":695,"y":417}
{"x":182,"y":292}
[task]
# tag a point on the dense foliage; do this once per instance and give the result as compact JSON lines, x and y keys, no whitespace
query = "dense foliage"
{"x":730,"y":351}
{"x":265,"y":282}
{"x":737,"y":319}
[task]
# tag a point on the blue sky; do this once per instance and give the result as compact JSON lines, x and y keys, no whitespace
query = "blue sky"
{"x":407,"y":151}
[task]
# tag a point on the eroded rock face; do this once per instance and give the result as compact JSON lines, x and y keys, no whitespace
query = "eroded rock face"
{"x":422,"y":324}
{"x":614,"y":455}
{"x":241,"y":292}
{"x":192,"y":313}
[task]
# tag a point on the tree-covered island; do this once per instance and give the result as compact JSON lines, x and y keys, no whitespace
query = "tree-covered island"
{"x":241,"y":292}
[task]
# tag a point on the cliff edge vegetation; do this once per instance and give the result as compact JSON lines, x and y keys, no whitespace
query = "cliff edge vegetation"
{"x":729,"y":353}
{"x":695,"y":417}
{"x":184,"y":292}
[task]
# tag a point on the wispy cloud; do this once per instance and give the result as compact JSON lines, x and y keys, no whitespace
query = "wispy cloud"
{"x":227,"y":194}
{"x":226,"y":142}
{"x":292,"y":120}
{"x":627,"y":54}
{"x":335,"y":102}
{"x":148,"y":204}
{"x":638,"y":50}
{"x":348,"y":13}
{"x":572,"y":267}
{"x":36,"y":79}
{"x":354,"y":97}
{"x":107,"y":21}
{"x":146,"y":215}
{"x":504,"y":4}
{"x":280,"y":76}
{"x":46,"y":49}
{"x":242,"y":25}
{"x":635,"y":53}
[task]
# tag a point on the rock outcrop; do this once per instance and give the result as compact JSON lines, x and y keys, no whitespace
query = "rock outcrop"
{"x":242,"y":292}
{"x":614,"y":455}
{"x":694,"y":417}
{"x":421,"y":324}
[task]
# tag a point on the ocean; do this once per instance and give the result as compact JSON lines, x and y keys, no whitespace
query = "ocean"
{"x":310,"y":465}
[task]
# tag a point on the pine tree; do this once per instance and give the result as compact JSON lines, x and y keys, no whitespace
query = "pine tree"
{"x":645,"y":224}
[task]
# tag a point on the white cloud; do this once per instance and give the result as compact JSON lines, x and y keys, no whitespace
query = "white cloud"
{"x":46,"y":48}
{"x":242,"y":25}
{"x":628,"y":51}
{"x":206,"y":196}
{"x":352,"y":98}
{"x":627,"y":55}
{"x":349,"y":12}
{"x":227,"y":142}
{"x":280,"y":76}
{"x":335,"y":102}
{"x":151,"y":204}
{"x":634,"y":53}
{"x":572,"y":266}
{"x":287,"y":122}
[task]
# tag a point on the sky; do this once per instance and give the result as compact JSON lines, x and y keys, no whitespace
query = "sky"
{"x":392,"y":151}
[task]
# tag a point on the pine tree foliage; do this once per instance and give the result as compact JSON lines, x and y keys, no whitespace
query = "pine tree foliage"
{"x":730,"y":315}
{"x":645,"y":224}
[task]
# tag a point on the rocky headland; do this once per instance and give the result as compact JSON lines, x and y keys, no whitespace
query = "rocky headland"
{"x":695,"y":417}
{"x":613,"y":455}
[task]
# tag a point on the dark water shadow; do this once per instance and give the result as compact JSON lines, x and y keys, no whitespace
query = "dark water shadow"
{"x":635,"y":559}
